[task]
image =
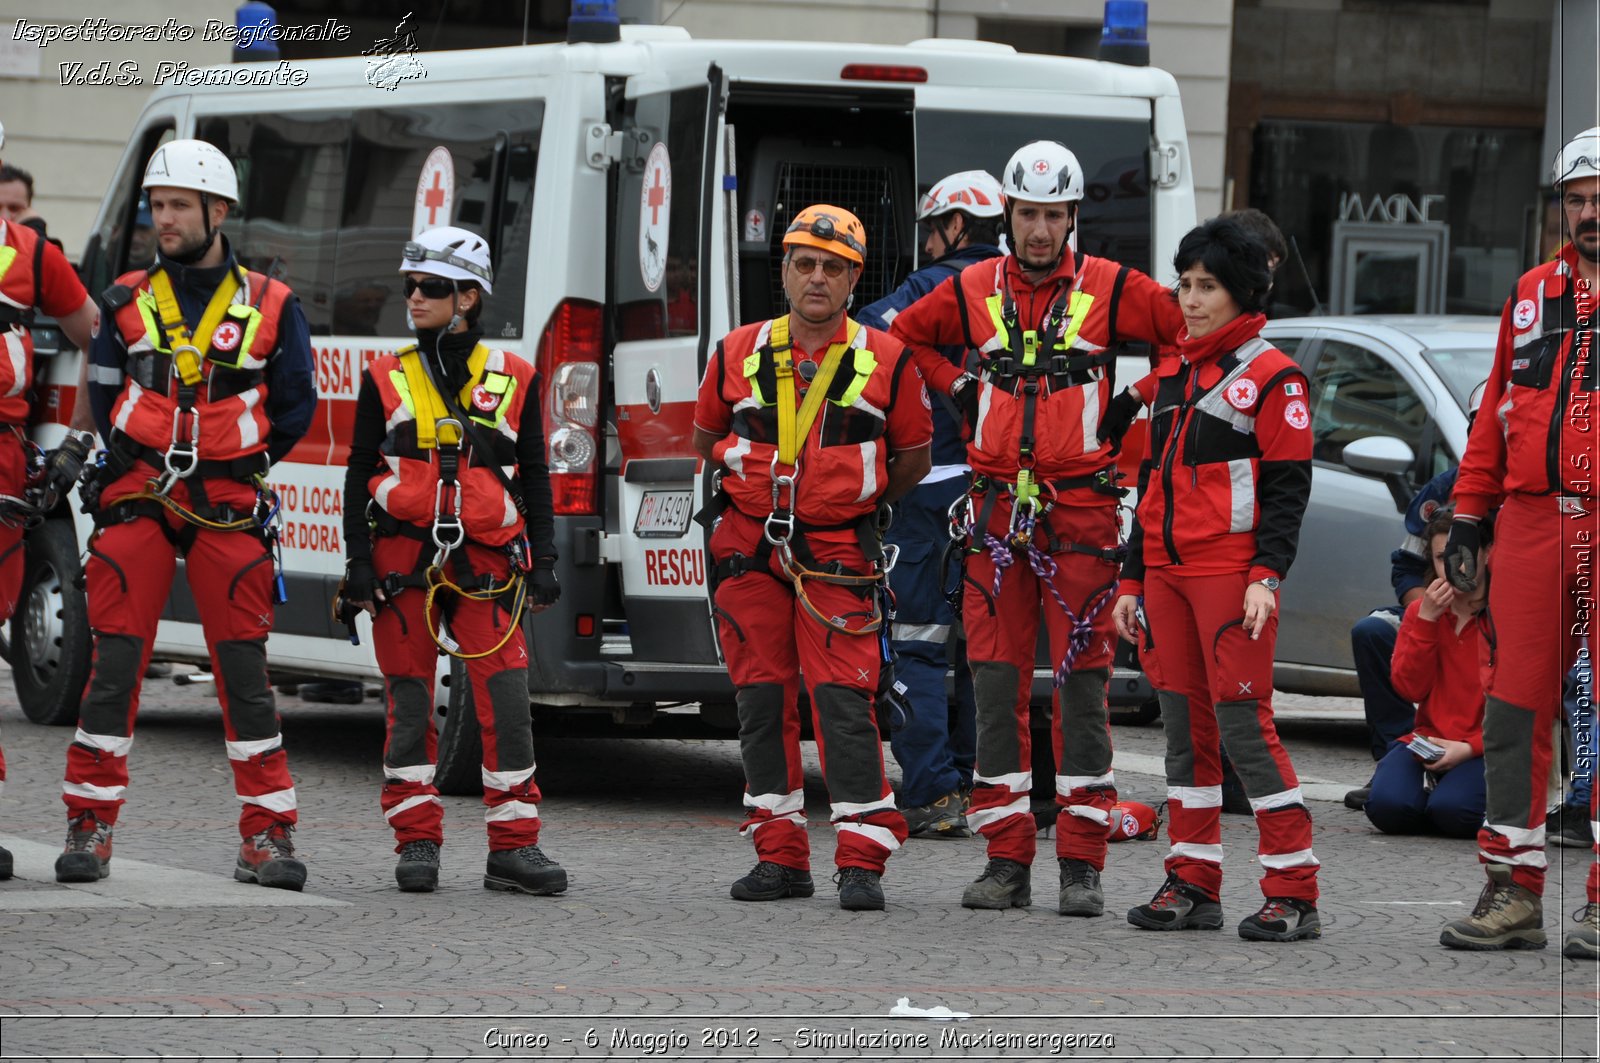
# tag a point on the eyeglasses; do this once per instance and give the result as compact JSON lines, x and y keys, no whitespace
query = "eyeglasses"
{"x":805,"y":265}
{"x":432,"y":287}
{"x":1576,"y":202}
{"x":824,"y":229}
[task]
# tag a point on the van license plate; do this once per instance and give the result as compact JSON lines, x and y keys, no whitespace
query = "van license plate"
{"x":664,"y":514}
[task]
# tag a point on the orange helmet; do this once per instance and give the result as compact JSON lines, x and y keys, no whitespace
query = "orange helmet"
{"x":829,"y":228}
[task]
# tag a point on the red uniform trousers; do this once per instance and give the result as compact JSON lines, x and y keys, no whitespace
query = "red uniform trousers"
{"x":1541,"y":606}
{"x":498,"y":686}
{"x":1215,"y":680}
{"x":13,"y":477}
{"x":129,"y":573}
{"x":770,"y":641}
{"x":1002,"y":641}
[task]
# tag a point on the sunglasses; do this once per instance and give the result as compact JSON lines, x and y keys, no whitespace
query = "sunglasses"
{"x":432,"y":287}
{"x":824,"y":229}
{"x":805,"y":265}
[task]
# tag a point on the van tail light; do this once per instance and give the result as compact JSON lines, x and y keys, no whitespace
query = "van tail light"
{"x":569,"y":363}
{"x":883,"y":72}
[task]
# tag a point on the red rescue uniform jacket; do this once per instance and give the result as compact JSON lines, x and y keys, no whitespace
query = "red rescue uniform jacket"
{"x":876,"y":405}
{"x":1229,"y":473}
{"x":1079,"y":310}
{"x":33,"y":274}
{"x":1439,"y":669}
{"x":1535,"y":431}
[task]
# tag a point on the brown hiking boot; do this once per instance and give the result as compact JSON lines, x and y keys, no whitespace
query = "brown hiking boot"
{"x":87,"y":857}
{"x":1507,"y":916}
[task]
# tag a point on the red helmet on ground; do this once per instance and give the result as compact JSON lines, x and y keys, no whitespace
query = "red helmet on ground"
{"x":1130,"y":819}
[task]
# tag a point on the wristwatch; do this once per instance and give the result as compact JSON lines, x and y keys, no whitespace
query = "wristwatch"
{"x":1271,"y":583}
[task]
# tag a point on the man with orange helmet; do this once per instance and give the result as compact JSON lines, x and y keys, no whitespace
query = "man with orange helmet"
{"x":33,"y":276}
{"x":935,"y":745}
{"x":1041,"y":512}
{"x":1533,"y":455}
{"x":200,"y":379}
{"x":814,"y":421}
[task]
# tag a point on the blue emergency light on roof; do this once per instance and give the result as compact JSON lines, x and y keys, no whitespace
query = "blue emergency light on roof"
{"x":594,"y":22}
{"x":257,"y":23}
{"x":1124,"y":35}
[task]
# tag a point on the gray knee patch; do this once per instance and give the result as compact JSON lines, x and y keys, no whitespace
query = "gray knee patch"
{"x":513,"y":723}
{"x":1085,"y":729}
{"x":1180,"y":740}
{"x":1241,"y":736}
{"x":761,"y":738}
{"x":1507,"y":751}
{"x":994,"y":685}
{"x":117,"y":660}
{"x":850,"y":744}
{"x":411,"y":711}
{"x":243,"y":664}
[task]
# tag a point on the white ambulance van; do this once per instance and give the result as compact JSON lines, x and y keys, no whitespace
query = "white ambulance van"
{"x":635,"y":194}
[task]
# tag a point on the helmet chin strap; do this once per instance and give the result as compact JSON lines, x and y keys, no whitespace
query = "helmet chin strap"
{"x":200,"y":250}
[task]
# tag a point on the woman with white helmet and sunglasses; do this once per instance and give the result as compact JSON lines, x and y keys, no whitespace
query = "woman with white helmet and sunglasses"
{"x":450,"y":538}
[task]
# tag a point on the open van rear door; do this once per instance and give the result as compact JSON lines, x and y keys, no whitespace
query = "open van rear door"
{"x":670,"y":303}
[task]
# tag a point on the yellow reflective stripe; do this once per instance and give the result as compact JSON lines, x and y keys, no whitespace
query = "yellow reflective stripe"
{"x":249,"y":318}
{"x":996,"y":307}
{"x":1077,"y":309}
{"x":147,"y":314}
{"x":866,"y":363}
{"x":8,"y":255}
{"x":186,"y":349}
{"x":501,"y":384}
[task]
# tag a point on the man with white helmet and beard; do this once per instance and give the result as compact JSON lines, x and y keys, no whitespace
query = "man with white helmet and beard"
{"x":1533,"y":455}
{"x":934,"y":745}
{"x":1041,"y":512}
{"x":33,"y":277}
{"x":200,"y":379}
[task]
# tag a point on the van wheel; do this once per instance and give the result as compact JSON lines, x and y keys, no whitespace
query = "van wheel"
{"x":459,"y":769}
{"x":50,"y":629}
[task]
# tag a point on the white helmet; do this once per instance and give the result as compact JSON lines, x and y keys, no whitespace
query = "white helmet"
{"x":1043,"y":172}
{"x":1580,"y":158}
{"x":2,"y":134}
{"x":195,"y":165}
{"x":450,"y":252}
{"x":973,"y":191}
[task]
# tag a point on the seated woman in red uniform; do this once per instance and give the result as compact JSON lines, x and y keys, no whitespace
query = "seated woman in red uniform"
{"x":1436,"y":665}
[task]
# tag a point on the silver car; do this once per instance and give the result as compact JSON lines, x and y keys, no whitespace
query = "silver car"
{"x":1389,"y":398}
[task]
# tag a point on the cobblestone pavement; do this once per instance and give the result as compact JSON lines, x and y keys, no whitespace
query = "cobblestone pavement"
{"x":645,"y":955}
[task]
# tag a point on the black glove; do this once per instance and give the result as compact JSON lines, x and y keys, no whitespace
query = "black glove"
{"x":360,"y":580}
{"x":1120,"y":413}
{"x":965,"y":392}
{"x":64,"y":465}
{"x":542,"y":586}
{"x":1461,"y":555}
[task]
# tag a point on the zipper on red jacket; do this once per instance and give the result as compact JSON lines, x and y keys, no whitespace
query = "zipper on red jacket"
{"x":1183,"y":421}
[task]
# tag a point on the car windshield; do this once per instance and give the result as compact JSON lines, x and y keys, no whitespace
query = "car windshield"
{"x":1461,"y":369}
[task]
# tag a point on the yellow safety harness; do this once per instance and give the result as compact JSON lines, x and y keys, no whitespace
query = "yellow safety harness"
{"x":440,"y":432}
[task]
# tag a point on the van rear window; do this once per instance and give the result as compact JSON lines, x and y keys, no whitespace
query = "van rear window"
{"x":1114,"y":221}
{"x":328,"y":201}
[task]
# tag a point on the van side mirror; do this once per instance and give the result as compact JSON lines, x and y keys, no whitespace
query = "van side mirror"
{"x":1387,"y":458}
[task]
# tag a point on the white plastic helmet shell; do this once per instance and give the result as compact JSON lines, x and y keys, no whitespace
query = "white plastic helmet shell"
{"x":2,"y":136}
{"x":1043,"y":172}
{"x":973,"y":191}
{"x":195,"y":165}
{"x":1580,"y":158}
{"x":450,"y":252}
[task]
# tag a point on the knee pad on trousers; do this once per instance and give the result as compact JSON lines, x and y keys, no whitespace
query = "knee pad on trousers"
{"x":411,"y":708}
{"x":1240,"y":725}
{"x":243,"y":664}
{"x":1085,"y":734}
{"x":1508,"y":740}
{"x":994,"y":684}
{"x":761,"y":738}
{"x":117,"y":668}
{"x":513,"y":723}
{"x":1180,"y":740}
{"x":848,"y":736}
